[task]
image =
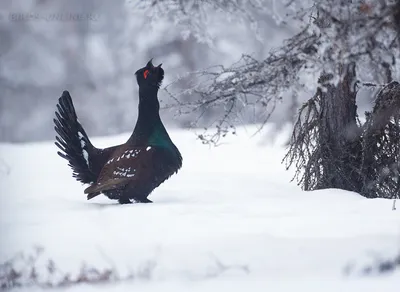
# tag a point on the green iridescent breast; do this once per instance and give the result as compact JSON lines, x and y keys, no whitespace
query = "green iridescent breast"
{"x":160,"y":138}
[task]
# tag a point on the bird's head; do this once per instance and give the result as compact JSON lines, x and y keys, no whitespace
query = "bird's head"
{"x":150,"y":75}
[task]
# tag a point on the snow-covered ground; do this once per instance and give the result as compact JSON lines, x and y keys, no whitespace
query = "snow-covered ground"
{"x":230,"y":219}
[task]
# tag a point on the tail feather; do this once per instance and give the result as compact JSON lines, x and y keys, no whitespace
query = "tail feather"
{"x":73,"y":141}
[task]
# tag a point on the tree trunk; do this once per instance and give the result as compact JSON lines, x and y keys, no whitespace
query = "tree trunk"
{"x":339,"y":135}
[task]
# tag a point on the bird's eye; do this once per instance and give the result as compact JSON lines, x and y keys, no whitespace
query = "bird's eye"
{"x":146,"y":73}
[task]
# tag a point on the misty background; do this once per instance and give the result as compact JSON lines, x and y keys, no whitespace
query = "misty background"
{"x":92,"y":48}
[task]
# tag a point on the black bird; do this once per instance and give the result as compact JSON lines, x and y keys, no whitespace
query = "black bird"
{"x":127,"y":172}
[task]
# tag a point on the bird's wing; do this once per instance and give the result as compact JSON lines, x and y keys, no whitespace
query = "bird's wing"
{"x":127,"y":165}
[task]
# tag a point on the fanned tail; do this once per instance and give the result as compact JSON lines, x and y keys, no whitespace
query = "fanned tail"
{"x":73,"y":141}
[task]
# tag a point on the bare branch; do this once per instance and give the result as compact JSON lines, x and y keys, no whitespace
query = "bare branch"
{"x":381,"y":144}
{"x":350,"y":33}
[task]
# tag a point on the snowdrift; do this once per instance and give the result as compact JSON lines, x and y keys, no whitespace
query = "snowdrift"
{"x":230,"y":219}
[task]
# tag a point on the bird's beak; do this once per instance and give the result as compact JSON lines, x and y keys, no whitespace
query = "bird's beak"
{"x":150,"y":63}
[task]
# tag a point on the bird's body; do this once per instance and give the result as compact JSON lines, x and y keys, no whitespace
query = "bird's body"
{"x":126,"y":172}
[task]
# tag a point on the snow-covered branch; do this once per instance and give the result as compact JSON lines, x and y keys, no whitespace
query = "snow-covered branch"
{"x":333,"y":36}
{"x":195,"y":14}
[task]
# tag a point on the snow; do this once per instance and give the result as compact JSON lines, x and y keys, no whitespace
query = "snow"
{"x":230,"y":219}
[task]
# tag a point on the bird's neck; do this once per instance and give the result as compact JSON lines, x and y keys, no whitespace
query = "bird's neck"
{"x":149,"y":121}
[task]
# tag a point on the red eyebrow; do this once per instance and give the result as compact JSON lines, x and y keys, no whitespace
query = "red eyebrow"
{"x":145,"y":73}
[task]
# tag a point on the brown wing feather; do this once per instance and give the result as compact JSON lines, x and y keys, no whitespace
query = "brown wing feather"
{"x":126,"y":165}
